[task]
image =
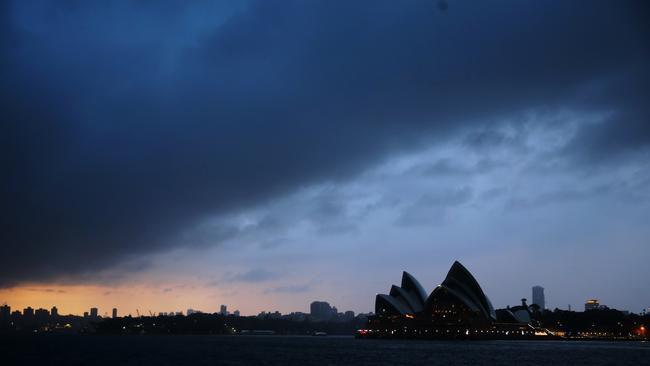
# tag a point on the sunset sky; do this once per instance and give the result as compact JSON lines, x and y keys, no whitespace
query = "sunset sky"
{"x":169,"y":155}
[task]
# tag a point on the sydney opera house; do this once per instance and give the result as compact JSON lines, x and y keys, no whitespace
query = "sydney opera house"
{"x":457,"y":308}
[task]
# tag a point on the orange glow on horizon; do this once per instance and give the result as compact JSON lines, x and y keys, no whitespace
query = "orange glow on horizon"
{"x":80,"y":298}
{"x":166,"y":293}
{"x":128,"y":299}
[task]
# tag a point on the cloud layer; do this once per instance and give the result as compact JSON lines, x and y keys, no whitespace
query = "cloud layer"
{"x":126,"y":127}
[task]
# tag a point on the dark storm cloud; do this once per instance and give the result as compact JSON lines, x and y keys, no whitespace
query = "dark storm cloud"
{"x":123,"y":126}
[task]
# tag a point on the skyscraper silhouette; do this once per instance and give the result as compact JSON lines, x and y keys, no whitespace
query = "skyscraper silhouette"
{"x":538,"y":297}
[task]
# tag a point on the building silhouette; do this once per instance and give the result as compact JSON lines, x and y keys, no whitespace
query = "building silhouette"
{"x":321,"y":310}
{"x":41,"y":314}
{"x":93,"y":312}
{"x":54,"y":312}
{"x":114,"y":315}
{"x":347,"y":316}
{"x":538,"y":297}
{"x":594,"y":304}
{"x":223,"y":310}
{"x":28,"y":312}
{"x":5,"y":313}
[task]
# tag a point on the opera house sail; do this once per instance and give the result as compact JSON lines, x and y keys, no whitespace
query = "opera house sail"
{"x":457,"y":308}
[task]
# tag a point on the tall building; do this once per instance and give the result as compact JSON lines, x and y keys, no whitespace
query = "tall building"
{"x":321,"y":310}
{"x":5,"y":311}
{"x":41,"y":314}
{"x":93,"y":312}
{"x":114,"y":313}
{"x":54,"y":312}
{"x":348,"y":316}
{"x":223,"y":310}
{"x":28,"y":312}
{"x":538,"y":297}
{"x":592,"y":304}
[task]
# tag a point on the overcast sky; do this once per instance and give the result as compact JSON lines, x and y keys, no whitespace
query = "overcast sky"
{"x":264,"y":154}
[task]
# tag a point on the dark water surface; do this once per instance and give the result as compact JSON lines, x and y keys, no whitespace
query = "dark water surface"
{"x":279,"y":350}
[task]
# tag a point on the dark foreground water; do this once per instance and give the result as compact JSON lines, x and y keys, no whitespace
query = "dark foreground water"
{"x":278,"y":350}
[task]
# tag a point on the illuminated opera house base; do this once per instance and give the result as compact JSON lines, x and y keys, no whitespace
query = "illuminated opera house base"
{"x":455,"y":309}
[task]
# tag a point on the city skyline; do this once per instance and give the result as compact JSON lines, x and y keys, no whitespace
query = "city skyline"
{"x":223,"y":308}
{"x":331,"y":311}
{"x":165,"y":156}
{"x":54,"y":311}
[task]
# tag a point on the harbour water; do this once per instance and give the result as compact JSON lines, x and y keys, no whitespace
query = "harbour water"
{"x":286,"y":350}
